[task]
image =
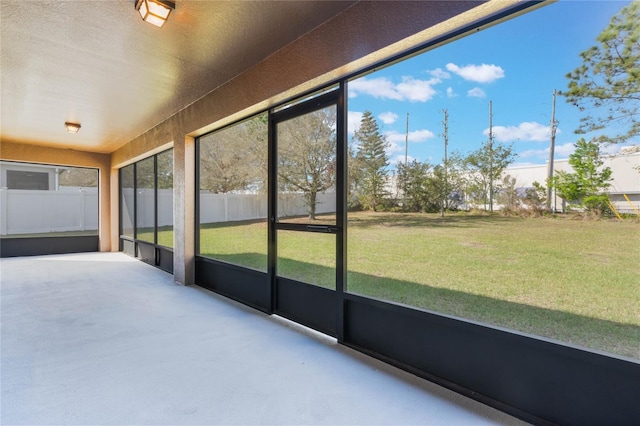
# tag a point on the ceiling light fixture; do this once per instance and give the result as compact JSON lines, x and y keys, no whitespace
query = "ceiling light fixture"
{"x":72,"y":127}
{"x":155,"y":12}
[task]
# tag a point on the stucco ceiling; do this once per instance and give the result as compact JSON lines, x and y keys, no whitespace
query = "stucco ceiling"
{"x":99,"y":64}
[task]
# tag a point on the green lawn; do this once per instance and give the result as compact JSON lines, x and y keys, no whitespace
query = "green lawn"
{"x":165,"y":235}
{"x":573,"y":280}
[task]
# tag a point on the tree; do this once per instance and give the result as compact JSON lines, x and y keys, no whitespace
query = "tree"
{"x":79,"y":176}
{"x":412,"y":183}
{"x":165,"y":169}
{"x":223,"y":168}
{"x":423,"y":186}
{"x":508,"y":195}
{"x":535,"y":198}
{"x":307,"y":155}
{"x":586,"y":185}
{"x":450,"y":183}
{"x":608,"y":81}
{"x":145,"y":173}
{"x":373,"y":160}
{"x":485,"y":167}
{"x":257,"y":135}
{"x":354,"y":178}
{"x":233,"y":159}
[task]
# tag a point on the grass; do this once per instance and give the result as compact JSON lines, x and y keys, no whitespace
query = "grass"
{"x":577,"y":281}
{"x":165,"y":235}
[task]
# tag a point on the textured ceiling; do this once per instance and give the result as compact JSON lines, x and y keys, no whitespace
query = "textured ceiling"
{"x":99,"y":64}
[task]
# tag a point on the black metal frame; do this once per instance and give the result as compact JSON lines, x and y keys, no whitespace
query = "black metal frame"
{"x":149,"y":252}
{"x":530,"y":377}
{"x":535,"y":379}
{"x":38,"y":246}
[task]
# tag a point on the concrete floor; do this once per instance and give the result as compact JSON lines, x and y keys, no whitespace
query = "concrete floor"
{"x":101,"y":338}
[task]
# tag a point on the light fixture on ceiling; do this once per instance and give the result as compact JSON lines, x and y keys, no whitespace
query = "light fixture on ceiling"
{"x":155,"y":12}
{"x":72,"y":127}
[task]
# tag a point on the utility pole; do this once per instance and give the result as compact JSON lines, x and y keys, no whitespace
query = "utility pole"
{"x":406,"y":156}
{"x":406,"y":142}
{"x":490,"y":156}
{"x":552,"y":128}
{"x":445,"y":186}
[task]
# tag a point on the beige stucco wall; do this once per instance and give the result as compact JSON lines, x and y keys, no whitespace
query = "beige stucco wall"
{"x":13,"y":151}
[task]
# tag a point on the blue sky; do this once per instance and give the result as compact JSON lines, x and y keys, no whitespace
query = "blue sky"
{"x":516,"y":65}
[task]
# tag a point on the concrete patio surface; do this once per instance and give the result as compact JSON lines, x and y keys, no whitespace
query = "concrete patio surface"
{"x":101,"y":338}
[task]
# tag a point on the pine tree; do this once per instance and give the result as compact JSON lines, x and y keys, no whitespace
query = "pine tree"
{"x":607,"y":83}
{"x":373,"y":160}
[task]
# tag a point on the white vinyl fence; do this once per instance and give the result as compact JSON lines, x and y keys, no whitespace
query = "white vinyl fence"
{"x":146,"y":207}
{"x":33,"y":212}
{"x":216,"y":207}
{"x":76,"y":209}
{"x":233,"y":207}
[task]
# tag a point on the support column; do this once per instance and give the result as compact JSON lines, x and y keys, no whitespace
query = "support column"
{"x":114,"y":212}
{"x":4,"y":210}
{"x":184,"y":193}
{"x":105,"y":205}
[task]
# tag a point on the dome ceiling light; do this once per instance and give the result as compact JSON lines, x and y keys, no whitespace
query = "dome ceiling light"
{"x":72,"y":127}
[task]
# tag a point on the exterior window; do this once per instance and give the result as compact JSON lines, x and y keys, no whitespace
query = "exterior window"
{"x":165,"y":199}
{"x":145,"y":200}
{"x":127,"y":200}
{"x":27,"y":180}
{"x":146,"y":189}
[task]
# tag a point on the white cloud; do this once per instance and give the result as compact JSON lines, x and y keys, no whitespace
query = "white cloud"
{"x":615,"y":149}
{"x":376,"y":87}
{"x":451,"y":93}
{"x":400,"y":159}
{"x":388,"y":117}
{"x":560,"y":151}
{"x":394,"y":147}
{"x":410,"y":89}
{"x":396,"y":140}
{"x":565,"y":150}
{"x":535,"y":153}
{"x":353,"y":121}
{"x":478,"y":73}
{"x":415,"y":136}
{"x":415,"y":90}
{"x":526,"y":131}
{"x":440,"y":74}
{"x":476,"y":92}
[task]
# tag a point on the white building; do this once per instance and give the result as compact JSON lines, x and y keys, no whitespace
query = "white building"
{"x":625,"y":170}
{"x":40,"y":177}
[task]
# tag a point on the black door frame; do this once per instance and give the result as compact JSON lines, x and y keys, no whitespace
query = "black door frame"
{"x":313,"y":306}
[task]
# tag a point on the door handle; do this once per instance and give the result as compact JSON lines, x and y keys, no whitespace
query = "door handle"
{"x":318,"y":228}
{"x":323,"y":228}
